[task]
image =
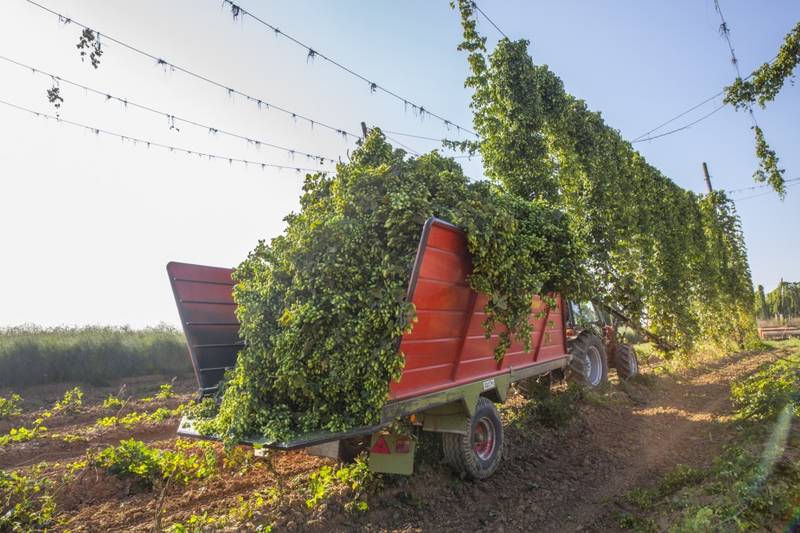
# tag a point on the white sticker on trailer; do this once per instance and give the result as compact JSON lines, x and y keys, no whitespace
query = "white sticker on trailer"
{"x":488,"y":384}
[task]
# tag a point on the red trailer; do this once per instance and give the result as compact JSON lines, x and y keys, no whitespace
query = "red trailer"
{"x":450,"y":379}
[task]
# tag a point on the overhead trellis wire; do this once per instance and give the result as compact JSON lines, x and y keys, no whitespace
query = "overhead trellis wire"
{"x":676,"y":117}
{"x":684,"y":113}
{"x":424,"y":138}
{"x":684,"y":127}
{"x":477,"y":7}
{"x":312,"y":53}
{"x":414,"y":136}
{"x":765,"y":192}
{"x":153,"y":144}
{"x":408,"y":148}
{"x":725,"y":31}
{"x":230,"y":90}
{"x":172,"y":118}
{"x":756,"y":187}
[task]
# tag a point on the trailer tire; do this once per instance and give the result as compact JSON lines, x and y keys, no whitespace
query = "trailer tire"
{"x":476,"y":454}
{"x":349,"y":449}
{"x":626,"y":361}
{"x":589,"y":362}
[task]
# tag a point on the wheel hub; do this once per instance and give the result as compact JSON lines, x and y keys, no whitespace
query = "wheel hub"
{"x":483,"y":438}
{"x":593,"y":366}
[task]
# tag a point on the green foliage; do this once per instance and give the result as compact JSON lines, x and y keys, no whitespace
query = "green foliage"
{"x":136,"y":418}
{"x":653,"y":250}
{"x":723,"y":303}
{"x":10,"y":406}
{"x":676,"y":479}
{"x":679,"y":477}
{"x":768,"y":169}
{"x":31,"y":355}
{"x":70,"y":403}
{"x":700,"y":520}
{"x":552,"y":409}
{"x":766,"y":393}
{"x":195,"y":523}
{"x":89,"y":43}
{"x":54,"y":96}
{"x":240,"y":517}
{"x":23,"y":434}
{"x":783,"y":301}
{"x":762,"y":310}
{"x":165,"y":391}
{"x":742,"y":496}
{"x":113,"y":402}
{"x":26,"y":501}
{"x":754,"y":483}
{"x":356,"y":477}
{"x":736,"y":494}
{"x":149,"y":466}
{"x":635,"y":523}
{"x":762,"y":86}
{"x":322,"y":307}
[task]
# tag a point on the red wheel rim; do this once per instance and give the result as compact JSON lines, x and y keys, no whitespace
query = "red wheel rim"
{"x":483,"y":438}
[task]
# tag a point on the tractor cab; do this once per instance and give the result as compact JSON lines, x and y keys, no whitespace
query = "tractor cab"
{"x":593,"y":343}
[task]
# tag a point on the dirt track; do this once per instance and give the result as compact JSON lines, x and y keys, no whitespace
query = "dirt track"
{"x":569,"y":480}
{"x":550,"y":480}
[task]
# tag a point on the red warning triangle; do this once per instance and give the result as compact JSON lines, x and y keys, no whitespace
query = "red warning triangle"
{"x":380,"y":446}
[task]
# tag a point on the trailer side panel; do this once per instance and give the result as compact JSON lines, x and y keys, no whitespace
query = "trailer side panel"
{"x":448,"y":346}
{"x":205,"y":303}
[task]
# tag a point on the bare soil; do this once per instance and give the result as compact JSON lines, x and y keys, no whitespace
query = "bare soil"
{"x":566,"y":479}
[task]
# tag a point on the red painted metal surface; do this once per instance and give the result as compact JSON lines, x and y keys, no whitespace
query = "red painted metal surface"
{"x":447,"y":345}
{"x":204,"y":298}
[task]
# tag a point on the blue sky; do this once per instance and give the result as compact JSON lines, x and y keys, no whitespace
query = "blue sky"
{"x":89,"y":222}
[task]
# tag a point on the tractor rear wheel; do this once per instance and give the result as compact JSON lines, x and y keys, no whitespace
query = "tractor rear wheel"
{"x":477,"y":453}
{"x":625,"y":361}
{"x":589,"y":363}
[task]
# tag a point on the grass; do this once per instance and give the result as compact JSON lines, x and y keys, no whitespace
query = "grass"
{"x":31,"y":355}
{"x":754,"y":484}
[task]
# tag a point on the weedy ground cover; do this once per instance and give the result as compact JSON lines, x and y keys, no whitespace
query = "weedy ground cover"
{"x":135,"y":418}
{"x":755,"y":482}
{"x":26,"y":501}
{"x":9,"y":407}
{"x":70,"y":403}
{"x":150,"y":466}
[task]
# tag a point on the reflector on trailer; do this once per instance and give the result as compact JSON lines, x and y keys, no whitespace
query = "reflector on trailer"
{"x":402,"y":446}
{"x":380,"y":446}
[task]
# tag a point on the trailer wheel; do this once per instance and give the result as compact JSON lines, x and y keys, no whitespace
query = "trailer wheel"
{"x":349,"y":449}
{"x":476,"y":454}
{"x":589,"y":363}
{"x":626,"y":362}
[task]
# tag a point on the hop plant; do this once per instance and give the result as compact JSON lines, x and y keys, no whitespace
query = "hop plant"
{"x":323,"y":306}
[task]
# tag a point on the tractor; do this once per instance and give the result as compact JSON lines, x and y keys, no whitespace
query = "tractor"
{"x":596,"y":344}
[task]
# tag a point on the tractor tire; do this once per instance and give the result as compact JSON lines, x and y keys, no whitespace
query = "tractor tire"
{"x":476,"y":454}
{"x":625,"y":361}
{"x":589,"y":364}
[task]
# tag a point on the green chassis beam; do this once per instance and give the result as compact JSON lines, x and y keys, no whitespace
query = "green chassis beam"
{"x":440,"y":406}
